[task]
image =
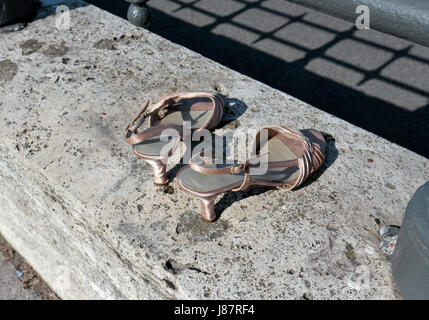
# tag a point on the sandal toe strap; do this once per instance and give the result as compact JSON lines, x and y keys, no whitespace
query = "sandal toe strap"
{"x":310,"y":161}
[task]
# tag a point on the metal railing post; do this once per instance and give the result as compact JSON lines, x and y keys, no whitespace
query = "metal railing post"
{"x":139,"y":13}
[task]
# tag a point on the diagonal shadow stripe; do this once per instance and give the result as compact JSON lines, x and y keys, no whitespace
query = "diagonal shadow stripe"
{"x":409,"y":129}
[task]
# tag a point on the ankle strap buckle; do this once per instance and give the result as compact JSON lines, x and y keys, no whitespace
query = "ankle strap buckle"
{"x":138,"y":120}
{"x":160,"y":111}
{"x":135,"y":124}
{"x":237,"y":168}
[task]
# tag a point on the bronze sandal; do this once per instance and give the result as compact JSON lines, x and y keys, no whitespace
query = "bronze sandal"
{"x":291,"y":156}
{"x":203,"y":110}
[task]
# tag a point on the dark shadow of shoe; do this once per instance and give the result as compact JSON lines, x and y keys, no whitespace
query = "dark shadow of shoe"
{"x":231,"y":197}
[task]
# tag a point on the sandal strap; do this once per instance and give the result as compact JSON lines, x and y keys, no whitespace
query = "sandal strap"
{"x":135,"y":138}
{"x":310,"y":161}
{"x":217,"y":107}
{"x":161,"y":108}
{"x":236,"y":168}
{"x":246,"y":182}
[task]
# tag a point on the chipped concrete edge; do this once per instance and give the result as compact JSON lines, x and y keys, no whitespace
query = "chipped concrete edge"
{"x":73,"y":259}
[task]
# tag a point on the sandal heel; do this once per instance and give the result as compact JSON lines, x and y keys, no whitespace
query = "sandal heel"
{"x":207,"y":209}
{"x":159,"y":172}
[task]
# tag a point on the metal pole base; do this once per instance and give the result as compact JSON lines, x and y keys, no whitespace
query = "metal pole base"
{"x":139,"y":14}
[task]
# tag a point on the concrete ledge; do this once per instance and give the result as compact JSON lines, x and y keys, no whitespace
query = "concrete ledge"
{"x":82,"y":209}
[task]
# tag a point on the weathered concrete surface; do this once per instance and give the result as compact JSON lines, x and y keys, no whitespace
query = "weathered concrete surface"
{"x":82,"y":208}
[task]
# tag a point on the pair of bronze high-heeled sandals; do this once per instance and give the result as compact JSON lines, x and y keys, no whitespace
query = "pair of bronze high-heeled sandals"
{"x":288,"y":155}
